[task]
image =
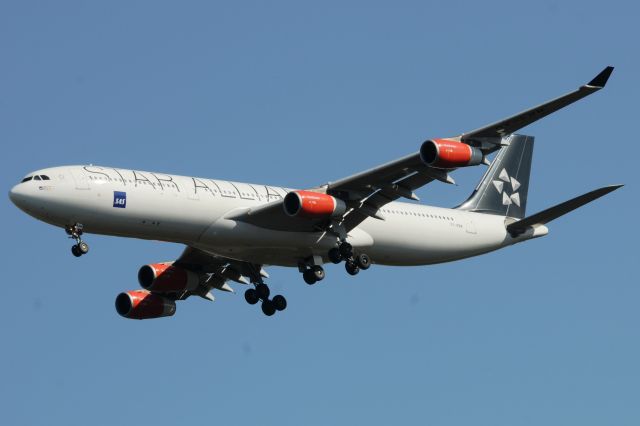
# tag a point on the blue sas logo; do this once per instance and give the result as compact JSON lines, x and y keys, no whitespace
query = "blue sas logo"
{"x":119,"y":199}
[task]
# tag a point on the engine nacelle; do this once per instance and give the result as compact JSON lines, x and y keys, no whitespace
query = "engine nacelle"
{"x":142,"y":304}
{"x":166,"y":278}
{"x":446,"y":154}
{"x":313,"y":204}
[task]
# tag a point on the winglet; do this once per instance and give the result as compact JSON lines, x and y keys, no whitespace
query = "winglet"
{"x":601,"y":79}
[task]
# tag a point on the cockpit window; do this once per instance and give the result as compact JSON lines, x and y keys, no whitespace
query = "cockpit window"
{"x":35,"y":177}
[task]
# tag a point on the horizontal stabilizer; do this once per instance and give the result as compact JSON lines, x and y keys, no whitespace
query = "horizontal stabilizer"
{"x":561,"y":209}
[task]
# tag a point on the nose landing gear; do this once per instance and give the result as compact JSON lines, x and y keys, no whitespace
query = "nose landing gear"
{"x":80,"y":249}
{"x":75,"y":232}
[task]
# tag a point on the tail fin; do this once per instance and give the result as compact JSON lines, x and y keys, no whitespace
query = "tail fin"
{"x":503,"y":188}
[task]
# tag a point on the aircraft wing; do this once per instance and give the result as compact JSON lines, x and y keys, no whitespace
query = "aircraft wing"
{"x":514,"y":123}
{"x":370,"y":190}
{"x":366,"y":192}
{"x":215,"y":271}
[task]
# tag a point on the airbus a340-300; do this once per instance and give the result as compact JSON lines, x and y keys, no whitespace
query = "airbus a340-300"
{"x":232,"y":230}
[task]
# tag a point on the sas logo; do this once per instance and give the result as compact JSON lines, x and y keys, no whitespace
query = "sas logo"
{"x":119,"y":199}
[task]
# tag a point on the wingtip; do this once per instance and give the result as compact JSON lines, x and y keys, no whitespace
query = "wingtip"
{"x":610,"y":188}
{"x":600,"y":80}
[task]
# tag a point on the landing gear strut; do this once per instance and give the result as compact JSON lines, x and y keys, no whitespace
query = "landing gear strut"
{"x":75,"y":232}
{"x":335,"y":256}
{"x":262,"y":292}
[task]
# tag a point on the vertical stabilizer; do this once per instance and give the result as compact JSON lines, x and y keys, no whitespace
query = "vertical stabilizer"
{"x":503,"y":188}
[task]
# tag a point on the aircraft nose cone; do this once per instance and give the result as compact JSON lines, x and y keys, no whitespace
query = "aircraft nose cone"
{"x":13,"y":194}
{"x":17,"y":196}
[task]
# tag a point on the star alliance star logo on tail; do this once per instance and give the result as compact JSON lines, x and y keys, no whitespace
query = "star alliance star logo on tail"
{"x":507,"y":199}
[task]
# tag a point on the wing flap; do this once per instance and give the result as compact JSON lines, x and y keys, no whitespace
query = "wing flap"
{"x":219,"y":270}
{"x":379,"y":176}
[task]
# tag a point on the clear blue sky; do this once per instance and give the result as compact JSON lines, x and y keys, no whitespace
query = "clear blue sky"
{"x":296,"y":94}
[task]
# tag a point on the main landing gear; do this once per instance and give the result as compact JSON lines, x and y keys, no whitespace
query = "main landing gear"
{"x":262,"y":292}
{"x":313,"y":274}
{"x":353,"y":264}
{"x":75,"y":232}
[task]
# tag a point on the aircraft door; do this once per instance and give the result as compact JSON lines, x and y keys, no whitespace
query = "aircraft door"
{"x":471,"y":227}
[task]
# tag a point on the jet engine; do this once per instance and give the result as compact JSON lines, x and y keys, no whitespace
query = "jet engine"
{"x":166,"y":278}
{"x":446,"y":154}
{"x":142,"y":304}
{"x":313,"y":204}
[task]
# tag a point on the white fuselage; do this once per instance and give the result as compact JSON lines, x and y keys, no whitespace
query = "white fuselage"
{"x":195,"y":211}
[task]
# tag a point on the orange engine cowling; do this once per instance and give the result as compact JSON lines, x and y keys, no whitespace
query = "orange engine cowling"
{"x":166,"y":278}
{"x":313,"y":204}
{"x":142,"y":304}
{"x":449,"y":154}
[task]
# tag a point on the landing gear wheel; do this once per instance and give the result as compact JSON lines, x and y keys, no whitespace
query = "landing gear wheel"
{"x":83,"y":247}
{"x":75,"y":233}
{"x":351,"y":268}
{"x":318,"y":272}
{"x":363,"y":261}
{"x":76,"y":251}
{"x":268,"y":308}
{"x":251,"y":296}
{"x":309,"y":277}
{"x":335,"y":256}
{"x":279,"y":302}
{"x":262,"y":290}
{"x":346,"y":251}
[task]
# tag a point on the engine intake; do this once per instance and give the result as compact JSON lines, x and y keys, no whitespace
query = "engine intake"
{"x":166,"y":278}
{"x":313,"y":204}
{"x":142,"y":304}
{"x":446,"y":154}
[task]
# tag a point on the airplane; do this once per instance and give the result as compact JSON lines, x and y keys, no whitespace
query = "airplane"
{"x":232,"y":230}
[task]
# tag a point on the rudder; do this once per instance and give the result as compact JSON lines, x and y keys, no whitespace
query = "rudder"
{"x":503,"y":188}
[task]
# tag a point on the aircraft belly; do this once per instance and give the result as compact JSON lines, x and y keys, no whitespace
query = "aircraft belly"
{"x":414,"y":241}
{"x":244,"y":241}
{"x":397,"y":241}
